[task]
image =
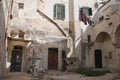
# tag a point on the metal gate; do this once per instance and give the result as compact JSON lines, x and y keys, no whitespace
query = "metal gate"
{"x":16,"y":60}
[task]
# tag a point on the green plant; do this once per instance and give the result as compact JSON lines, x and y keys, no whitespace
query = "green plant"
{"x":48,"y":78}
{"x":90,"y":72}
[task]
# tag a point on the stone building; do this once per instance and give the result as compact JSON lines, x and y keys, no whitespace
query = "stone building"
{"x":36,"y":37}
{"x":41,"y":27}
{"x":43,"y":33}
{"x":101,"y":40}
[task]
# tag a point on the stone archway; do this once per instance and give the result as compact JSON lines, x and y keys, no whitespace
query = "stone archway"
{"x":103,"y":37}
{"x":117,"y":37}
{"x":103,"y":44}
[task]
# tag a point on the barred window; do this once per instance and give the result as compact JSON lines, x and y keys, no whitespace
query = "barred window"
{"x":20,"y":5}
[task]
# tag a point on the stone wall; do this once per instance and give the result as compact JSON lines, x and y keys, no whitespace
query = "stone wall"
{"x":72,"y":63}
{"x":2,"y":40}
{"x":106,"y":44}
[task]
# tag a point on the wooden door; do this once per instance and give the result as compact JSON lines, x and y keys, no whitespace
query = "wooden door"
{"x":98,"y":58}
{"x":52,"y":58}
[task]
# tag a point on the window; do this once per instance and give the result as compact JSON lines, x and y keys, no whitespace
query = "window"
{"x":87,"y":11}
{"x":18,"y":48}
{"x":21,"y":35}
{"x":89,"y":38}
{"x":20,"y":5}
{"x":59,"y":11}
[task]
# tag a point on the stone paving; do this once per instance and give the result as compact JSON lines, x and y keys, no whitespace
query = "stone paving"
{"x":58,"y":75}
{"x":16,"y":76}
{"x":73,"y":76}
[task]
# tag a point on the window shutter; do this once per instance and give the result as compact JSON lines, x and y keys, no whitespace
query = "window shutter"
{"x":54,"y":12}
{"x":90,"y":11}
{"x":63,"y":12}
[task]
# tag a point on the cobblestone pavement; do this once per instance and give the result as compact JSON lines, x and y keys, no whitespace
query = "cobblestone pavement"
{"x":73,"y":76}
{"x":16,"y":76}
{"x":58,"y":75}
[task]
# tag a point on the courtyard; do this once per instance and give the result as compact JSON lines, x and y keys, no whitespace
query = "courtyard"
{"x":58,"y":75}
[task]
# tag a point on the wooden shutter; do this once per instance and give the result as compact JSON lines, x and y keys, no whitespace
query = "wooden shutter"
{"x":55,"y":12}
{"x":63,"y":12}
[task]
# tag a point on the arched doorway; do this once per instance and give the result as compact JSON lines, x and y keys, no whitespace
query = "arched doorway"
{"x":16,"y":59}
{"x":117,"y":37}
{"x":101,"y":42}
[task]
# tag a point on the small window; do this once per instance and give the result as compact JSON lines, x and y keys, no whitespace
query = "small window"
{"x":59,"y":11}
{"x":20,"y":5}
{"x":110,"y":55}
{"x":21,"y":36}
{"x":63,"y":54}
{"x":89,"y":38}
{"x":18,"y":48}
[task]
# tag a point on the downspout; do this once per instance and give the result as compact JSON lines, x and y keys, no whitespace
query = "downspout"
{"x":72,"y":24}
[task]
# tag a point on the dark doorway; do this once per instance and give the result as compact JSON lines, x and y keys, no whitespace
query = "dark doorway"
{"x":16,"y":59}
{"x":53,"y":58}
{"x":64,"y":64}
{"x":98,"y":59}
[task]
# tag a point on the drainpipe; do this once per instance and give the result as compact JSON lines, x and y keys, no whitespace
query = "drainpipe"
{"x":72,"y":24}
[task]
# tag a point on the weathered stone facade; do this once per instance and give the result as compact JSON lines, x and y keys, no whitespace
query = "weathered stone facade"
{"x":36,"y":36}
{"x":104,"y":43}
{"x":36,"y":21}
{"x":41,"y":34}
